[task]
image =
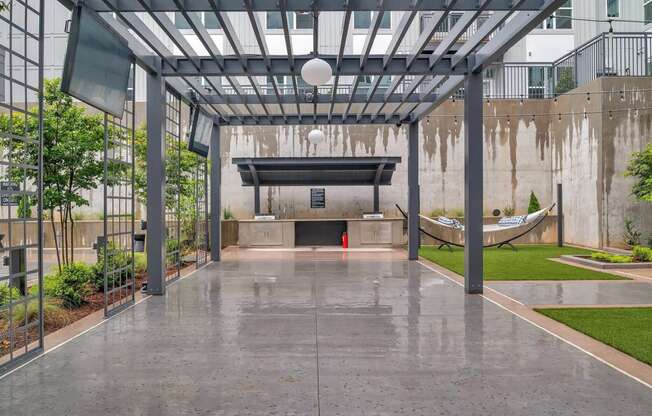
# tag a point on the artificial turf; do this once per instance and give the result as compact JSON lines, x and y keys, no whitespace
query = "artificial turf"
{"x":626,"y":329}
{"x":529,"y":262}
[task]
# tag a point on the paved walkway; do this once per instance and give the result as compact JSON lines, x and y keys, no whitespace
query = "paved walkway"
{"x":318,"y":333}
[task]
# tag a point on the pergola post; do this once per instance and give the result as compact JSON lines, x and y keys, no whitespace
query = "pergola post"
{"x":413,"y":191}
{"x":216,"y":195}
{"x":156,"y":227}
{"x":473,"y":186}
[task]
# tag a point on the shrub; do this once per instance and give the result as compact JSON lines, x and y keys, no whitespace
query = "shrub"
{"x":611,"y":258}
{"x":459,"y":213}
{"x":566,"y":81}
{"x":118,"y":260}
{"x":643,"y":254}
{"x":71,"y":285}
{"x":140,"y":262}
{"x":228,"y":215}
{"x":509,"y":211}
{"x":534,"y":205}
{"x":437,"y":213}
{"x":631,"y":235}
{"x":8,"y":294}
{"x":54,"y":316}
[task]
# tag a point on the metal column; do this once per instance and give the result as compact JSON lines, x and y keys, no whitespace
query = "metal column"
{"x":473,"y":192}
{"x":560,"y":216}
{"x":216,"y":203}
{"x":155,"y":185}
{"x":413,"y":191}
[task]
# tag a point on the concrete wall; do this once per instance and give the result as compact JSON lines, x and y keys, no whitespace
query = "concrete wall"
{"x":532,"y":150}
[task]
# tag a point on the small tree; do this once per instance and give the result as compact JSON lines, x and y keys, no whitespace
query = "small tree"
{"x":180,"y":171}
{"x":566,"y":81}
{"x":640,"y":167}
{"x":534,"y":205}
{"x":72,"y":162}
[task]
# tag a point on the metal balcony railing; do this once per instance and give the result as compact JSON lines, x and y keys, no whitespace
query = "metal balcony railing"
{"x":618,"y":54}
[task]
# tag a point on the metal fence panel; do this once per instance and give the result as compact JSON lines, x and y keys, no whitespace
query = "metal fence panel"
{"x":21,"y":156}
{"x":172,"y":187}
{"x":119,"y":205}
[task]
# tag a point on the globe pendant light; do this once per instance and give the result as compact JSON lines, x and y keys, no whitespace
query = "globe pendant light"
{"x":315,"y":136}
{"x":316,"y":72}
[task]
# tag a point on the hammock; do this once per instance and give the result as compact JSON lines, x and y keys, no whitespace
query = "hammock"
{"x":494,"y":235}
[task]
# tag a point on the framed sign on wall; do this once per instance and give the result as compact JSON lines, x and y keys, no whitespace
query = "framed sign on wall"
{"x":317,"y":198}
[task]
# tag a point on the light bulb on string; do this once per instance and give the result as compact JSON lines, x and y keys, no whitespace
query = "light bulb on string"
{"x":622,"y":95}
{"x":559,"y":116}
{"x":588,"y":97}
{"x":611,"y":115}
{"x":455,"y":120}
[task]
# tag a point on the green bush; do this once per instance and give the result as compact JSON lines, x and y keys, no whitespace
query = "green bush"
{"x":643,"y":254}
{"x":508,"y":211}
{"x":71,"y":285}
{"x":632,"y":235}
{"x":8,"y":294}
{"x":118,"y":260}
{"x":54,"y":316}
{"x":611,"y":258}
{"x":534,"y":205}
{"x":228,"y":215}
{"x":140,"y":262}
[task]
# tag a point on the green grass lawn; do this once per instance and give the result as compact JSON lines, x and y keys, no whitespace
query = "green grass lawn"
{"x":626,"y":329}
{"x":530,"y":262}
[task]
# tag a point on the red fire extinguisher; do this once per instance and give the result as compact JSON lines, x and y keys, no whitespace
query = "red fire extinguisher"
{"x":345,"y":240}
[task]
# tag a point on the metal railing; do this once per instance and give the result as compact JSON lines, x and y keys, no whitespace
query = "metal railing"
{"x":618,"y":54}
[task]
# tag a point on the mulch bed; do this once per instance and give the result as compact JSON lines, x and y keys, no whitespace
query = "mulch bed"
{"x":92,"y":303}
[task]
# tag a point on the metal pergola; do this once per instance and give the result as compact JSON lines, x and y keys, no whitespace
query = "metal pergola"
{"x":418,"y":83}
{"x":316,"y":171}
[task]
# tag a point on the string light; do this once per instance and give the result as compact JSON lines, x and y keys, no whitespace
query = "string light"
{"x":588,"y":96}
{"x":610,"y":113}
{"x":428,"y":120}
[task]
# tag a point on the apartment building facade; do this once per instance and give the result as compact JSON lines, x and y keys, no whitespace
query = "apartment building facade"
{"x":575,"y":23}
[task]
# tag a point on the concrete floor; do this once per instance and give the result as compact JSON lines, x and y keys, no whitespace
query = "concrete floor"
{"x":318,"y":333}
{"x":598,"y":292}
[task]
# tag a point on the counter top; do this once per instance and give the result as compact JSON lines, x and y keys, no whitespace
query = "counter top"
{"x":323,"y":219}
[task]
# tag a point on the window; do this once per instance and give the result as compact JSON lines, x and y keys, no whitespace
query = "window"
{"x":295,"y":20}
{"x":446,"y":24}
{"x":208,"y":19}
{"x":180,"y":22}
{"x":561,"y":19}
{"x":362,"y":20}
{"x":613,"y":8}
{"x":535,"y":82}
{"x":647,"y":9}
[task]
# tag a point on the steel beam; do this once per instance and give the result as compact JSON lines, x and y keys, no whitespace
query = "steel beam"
{"x":155,"y":185}
{"x":518,"y":27}
{"x":473,"y":184}
{"x":293,"y":119}
{"x":413,"y":191}
{"x":216,"y":195}
{"x":232,"y":99}
{"x":283,"y":65}
{"x":338,"y":61}
{"x":308,"y":5}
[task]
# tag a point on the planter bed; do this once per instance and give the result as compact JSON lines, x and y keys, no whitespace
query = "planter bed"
{"x":588,"y":261}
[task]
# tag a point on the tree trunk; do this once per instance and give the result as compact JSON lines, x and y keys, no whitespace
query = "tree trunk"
{"x":72,"y":235}
{"x":56,"y":243}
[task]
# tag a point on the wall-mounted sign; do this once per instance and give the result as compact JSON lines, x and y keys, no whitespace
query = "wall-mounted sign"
{"x":7,"y":188}
{"x":317,"y":198}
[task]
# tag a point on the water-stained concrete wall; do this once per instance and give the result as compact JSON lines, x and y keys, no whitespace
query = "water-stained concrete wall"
{"x":516,"y":162}
{"x":528,"y":147}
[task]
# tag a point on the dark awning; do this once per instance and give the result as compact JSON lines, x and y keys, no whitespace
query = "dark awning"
{"x":316,"y":171}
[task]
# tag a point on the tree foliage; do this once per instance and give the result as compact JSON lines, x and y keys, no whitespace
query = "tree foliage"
{"x":640,"y":167}
{"x":181,"y":179}
{"x":534,"y":205}
{"x":73,"y":142}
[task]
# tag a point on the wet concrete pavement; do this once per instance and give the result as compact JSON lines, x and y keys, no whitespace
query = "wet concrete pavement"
{"x":606,"y":293}
{"x":318,"y":333}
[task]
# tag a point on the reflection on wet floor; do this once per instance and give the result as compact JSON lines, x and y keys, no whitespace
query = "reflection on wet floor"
{"x":318,"y":333}
{"x":578,"y":293}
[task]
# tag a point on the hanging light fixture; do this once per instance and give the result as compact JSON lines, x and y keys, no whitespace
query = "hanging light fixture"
{"x":316,"y":72}
{"x":315,"y":136}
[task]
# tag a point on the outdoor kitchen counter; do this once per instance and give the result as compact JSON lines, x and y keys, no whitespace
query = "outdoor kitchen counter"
{"x":284,"y":233}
